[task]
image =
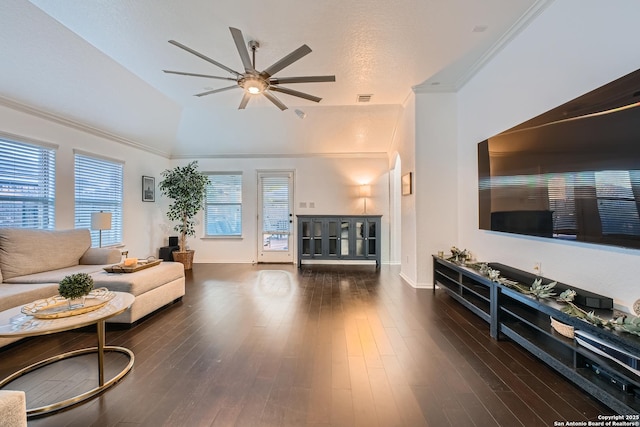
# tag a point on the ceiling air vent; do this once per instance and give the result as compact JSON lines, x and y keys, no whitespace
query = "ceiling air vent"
{"x":364,"y":98}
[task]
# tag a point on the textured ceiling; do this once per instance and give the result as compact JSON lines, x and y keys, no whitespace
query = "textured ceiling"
{"x":100,"y":62}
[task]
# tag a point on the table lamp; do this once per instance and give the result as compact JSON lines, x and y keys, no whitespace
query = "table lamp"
{"x":365,"y":191}
{"x":101,"y":221}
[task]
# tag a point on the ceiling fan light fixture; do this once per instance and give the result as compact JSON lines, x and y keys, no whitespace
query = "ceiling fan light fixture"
{"x":253,"y":85}
{"x":252,"y":81}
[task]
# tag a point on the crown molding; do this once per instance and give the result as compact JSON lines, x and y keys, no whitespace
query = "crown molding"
{"x":529,"y":16}
{"x":359,"y":155}
{"x":55,"y":118}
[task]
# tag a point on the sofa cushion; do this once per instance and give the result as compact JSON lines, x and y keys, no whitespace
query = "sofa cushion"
{"x":25,"y":251}
{"x":54,"y":275}
{"x":95,"y":256}
{"x":140,"y":281}
{"x":15,"y":295}
{"x":13,"y":407}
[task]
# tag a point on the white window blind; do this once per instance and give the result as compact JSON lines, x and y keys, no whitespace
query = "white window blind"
{"x":275,"y":204}
{"x":98,"y":187}
{"x":27,"y":185}
{"x":562,"y":202}
{"x":616,"y":203}
{"x":223,"y":211}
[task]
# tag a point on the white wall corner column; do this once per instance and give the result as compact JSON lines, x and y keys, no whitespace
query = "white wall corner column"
{"x":436,"y":176}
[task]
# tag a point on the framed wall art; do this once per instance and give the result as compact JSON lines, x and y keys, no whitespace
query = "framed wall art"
{"x":407,"y":184}
{"x":148,"y":189}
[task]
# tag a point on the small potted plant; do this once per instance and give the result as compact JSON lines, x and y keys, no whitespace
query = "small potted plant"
{"x":75,"y":288}
{"x":187,"y":187}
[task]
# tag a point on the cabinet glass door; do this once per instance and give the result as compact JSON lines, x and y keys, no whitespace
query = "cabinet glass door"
{"x":371,"y":236}
{"x":360,"y":238}
{"x":333,"y":237}
{"x":345,"y":226}
{"x":317,"y":237}
{"x":305,"y":233}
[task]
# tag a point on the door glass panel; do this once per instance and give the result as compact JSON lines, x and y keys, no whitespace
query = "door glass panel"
{"x":360,"y":229}
{"x":317,"y":246}
{"x":275,"y":213}
{"x":372,"y":246}
{"x":333,"y":229}
{"x":344,"y":229}
{"x":359,"y":247}
{"x":372,"y":229}
{"x":306,"y":229}
{"x":344,"y":238}
{"x":306,"y":247}
{"x":333,"y":247}
{"x":317,"y":229}
{"x":275,"y":242}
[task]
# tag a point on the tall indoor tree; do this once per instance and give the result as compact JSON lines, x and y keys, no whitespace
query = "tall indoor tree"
{"x":186,"y":186}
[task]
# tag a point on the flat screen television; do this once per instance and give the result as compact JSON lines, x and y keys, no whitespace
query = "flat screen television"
{"x":571,"y":173}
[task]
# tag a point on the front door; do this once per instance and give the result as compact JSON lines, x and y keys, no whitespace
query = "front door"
{"x":275,"y":217}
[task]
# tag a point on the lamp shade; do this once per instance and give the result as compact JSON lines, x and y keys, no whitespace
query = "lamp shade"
{"x":101,"y":220}
{"x":365,"y":191}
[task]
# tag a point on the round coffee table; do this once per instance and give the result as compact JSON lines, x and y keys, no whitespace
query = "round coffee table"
{"x":13,"y":323}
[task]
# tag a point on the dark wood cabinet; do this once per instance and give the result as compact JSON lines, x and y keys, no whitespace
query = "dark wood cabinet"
{"x":526,"y":321}
{"x":339,"y":237}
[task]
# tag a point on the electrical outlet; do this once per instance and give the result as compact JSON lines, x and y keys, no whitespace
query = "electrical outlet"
{"x":537,"y":268}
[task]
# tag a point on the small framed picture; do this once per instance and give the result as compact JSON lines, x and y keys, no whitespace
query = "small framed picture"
{"x":148,"y":189}
{"x":407,"y":184}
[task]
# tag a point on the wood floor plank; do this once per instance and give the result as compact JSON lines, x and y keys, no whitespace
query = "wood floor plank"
{"x":274,"y":345}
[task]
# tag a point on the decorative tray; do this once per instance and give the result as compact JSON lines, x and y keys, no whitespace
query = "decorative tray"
{"x":141,"y":265}
{"x":57,"y":306}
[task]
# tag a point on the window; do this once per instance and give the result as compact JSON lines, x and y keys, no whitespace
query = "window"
{"x":223,"y":212}
{"x":27,"y":185}
{"x":98,"y":187}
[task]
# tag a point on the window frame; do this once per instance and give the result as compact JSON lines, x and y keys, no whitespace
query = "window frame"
{"x":84,"y":205}
{"x":208,"y":203}
{"x":44,"y":201}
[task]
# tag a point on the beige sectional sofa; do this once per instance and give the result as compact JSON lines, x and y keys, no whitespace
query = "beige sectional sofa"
{"x":32,"y":262}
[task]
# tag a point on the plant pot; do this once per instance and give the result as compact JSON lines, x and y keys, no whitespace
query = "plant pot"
{"x":76,"y":302}
{"x":186,"y":258}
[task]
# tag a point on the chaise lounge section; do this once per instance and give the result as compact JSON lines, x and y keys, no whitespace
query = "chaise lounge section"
{"x":32,"y":262}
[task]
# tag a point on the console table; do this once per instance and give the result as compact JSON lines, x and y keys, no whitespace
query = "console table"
{"x":13,"y":323}
{"x":339,"y":237}
{"x":526,"y":321}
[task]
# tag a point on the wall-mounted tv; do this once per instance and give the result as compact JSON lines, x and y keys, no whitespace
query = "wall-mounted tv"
{"x":571,"y":173}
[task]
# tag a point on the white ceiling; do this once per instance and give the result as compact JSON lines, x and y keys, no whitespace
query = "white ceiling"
{"x":100,"y":62}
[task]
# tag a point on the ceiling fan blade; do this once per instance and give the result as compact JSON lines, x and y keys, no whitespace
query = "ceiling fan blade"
{"x":209,"y":92}
{"x":295,"y":93}
{"x":244,"y":101}
{"x":206,"y":58}
{"x":286,"y":61}
{"x":307,"y":79}
{"x":275,"y":100}
{"x":199,"y":75}
{"x":238,"y":38}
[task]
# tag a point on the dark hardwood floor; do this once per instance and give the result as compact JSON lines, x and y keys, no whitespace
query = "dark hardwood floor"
{"x":271,"y":345}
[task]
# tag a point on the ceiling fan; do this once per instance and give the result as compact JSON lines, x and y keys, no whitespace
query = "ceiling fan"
{"x":252,"y":81}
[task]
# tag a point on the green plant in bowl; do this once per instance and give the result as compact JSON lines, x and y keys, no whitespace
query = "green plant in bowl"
{"x":75,"y":286}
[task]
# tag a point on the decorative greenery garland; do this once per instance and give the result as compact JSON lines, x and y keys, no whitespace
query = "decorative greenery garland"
{"x":622,"y":323}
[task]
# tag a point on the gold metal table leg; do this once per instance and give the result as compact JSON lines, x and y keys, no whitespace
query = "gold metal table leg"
{"x":100,"y":328}
{"x":102,"y":385}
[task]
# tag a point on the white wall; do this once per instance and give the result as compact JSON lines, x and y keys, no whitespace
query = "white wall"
{"x":142,"y":235}
{"x":573,"y":47}
{"x":332,"y":183}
